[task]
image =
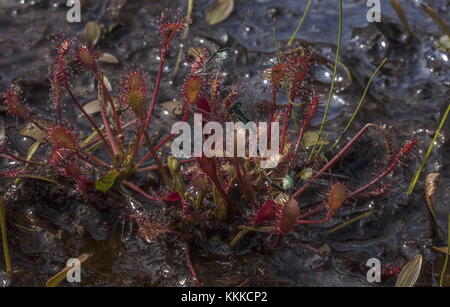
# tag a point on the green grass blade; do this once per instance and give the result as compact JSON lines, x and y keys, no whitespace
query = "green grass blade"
{"x":333,"y":81}
{"x":4,"y":236}
{"x":427,"y":155}
{"x":360,"y":103}
{"x":277,"y":46}
{"x":444,"y":269}
{"x":37,"y":177}
{"x":300,"y":23}
{"x":346,"y":223}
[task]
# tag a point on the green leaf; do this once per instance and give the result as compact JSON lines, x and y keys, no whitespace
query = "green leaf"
{"x":107,"y":181}
{"x":4,"y":236}
{"x":92,"y":32}
{"x":219,"y":11}
{"x":410,"y":272}
{"x":444,"y":269}
{"x":61,"y":275}
{"x":32,"y":131}
{"x":306,"y":173}
{"x":444,"y":44}
{"x":346,"y":223}
{"x":311,"y":137}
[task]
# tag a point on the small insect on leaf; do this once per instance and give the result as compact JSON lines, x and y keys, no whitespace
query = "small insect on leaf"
{"x":410,"y":272}
{"x":107,"y":181}
{"x":61,"y":275}
{"x":92,"y":33}
{"x":220,"y":11}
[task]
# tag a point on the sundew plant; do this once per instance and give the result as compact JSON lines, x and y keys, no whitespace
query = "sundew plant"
{"x":122,"y":165}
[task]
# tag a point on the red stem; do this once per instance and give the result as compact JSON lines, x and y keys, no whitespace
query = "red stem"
{"x":18,"y":159}
{"x":138,"y":190}
{"x":118,"y":126}
{"x":155,"y":92}
{"x":313,"y":211}
{"x":191,"y":267}
{"x":152,"y":103}
{"x":165,"y":140}
{"x":108,"y":128}
{"x":88,"y":117}
{"x":326,"y":219}
{"x":248,"y":193}
{"x":332,"y":161}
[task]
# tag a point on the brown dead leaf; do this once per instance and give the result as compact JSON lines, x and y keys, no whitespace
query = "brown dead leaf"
{"x":430,"y":188}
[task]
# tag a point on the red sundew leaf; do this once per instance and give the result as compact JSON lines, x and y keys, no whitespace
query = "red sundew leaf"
{"x":82,"y":185}
{"x":134,"y":91}
{"x":171,"y":197}
{"x":287,"y":216}
{"x":58,"y":155}
{"x":277,"y":74}
{"x":204,"y":107}
{"x":336,"y":197}
{"x":265,"y":213}
{"x":73,"y":170}
{"x":169,"y":30}
{"x":87,"y":57}
{"x":62,"y":137}
{"x":14,"y":102}
{"x":191,"y":89}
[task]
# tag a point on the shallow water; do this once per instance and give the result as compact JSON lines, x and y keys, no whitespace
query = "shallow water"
{"x":408,"y":97}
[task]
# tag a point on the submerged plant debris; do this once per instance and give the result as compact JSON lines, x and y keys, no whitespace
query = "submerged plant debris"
{"x":85,"y":132}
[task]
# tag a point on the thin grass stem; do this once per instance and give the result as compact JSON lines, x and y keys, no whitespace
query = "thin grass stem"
{"x":427,"y":155}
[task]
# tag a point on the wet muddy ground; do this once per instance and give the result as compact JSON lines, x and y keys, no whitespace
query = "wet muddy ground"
{"x":408,"y":97}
